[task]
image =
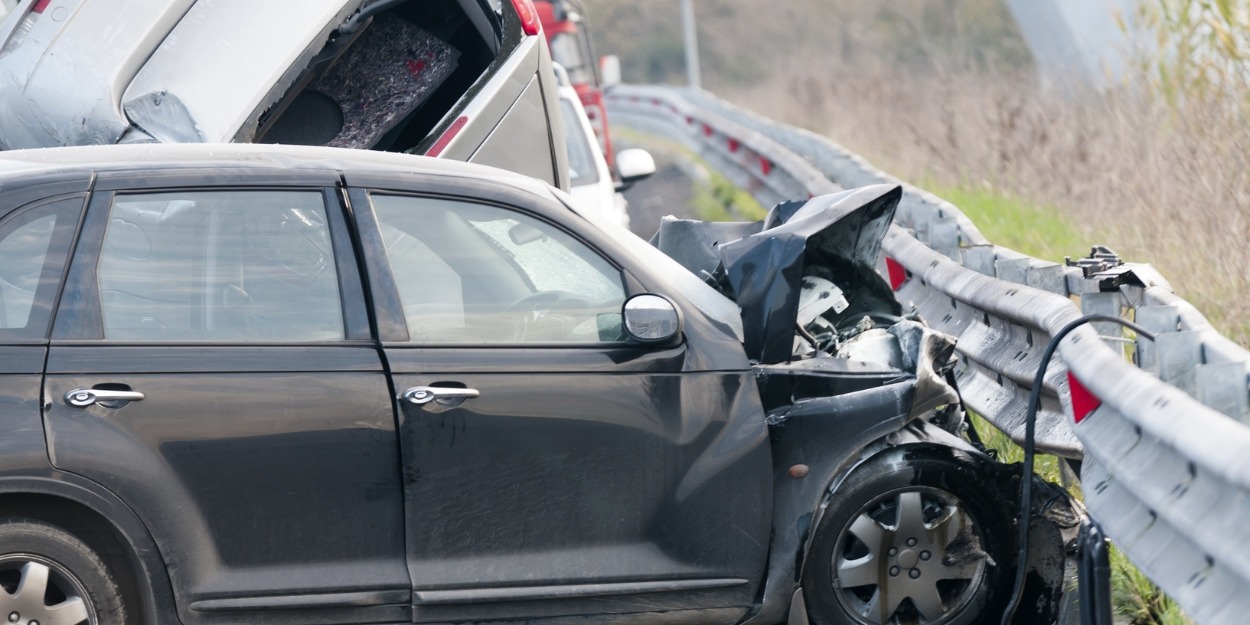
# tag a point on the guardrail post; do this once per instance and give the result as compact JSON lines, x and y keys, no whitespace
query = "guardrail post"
{"x":1048,"y":277}
{"x":1222,"y":386}
{"x":1012,"y":269}
{"x":1157,"y":319}
{"x":944,"y":238}
{"x":1105,"y":304}
{"x":980,"y":258}
{"x":1180,"y":353}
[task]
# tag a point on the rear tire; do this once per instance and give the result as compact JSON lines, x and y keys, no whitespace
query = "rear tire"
{"x":50,"y":576}
{"x":911,"y":539}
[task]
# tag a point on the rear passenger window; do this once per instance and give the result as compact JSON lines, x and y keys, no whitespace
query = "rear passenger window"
{"x":229,"y":266}
{"x":33,"y":246}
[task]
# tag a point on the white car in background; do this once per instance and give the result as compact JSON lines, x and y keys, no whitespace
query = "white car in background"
{"x":593,"y":186}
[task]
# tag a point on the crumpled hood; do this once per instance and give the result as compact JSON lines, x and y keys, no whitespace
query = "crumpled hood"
{"x":762,"y":265}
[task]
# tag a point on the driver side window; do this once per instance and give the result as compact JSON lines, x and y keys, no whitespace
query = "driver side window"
{"x":475,"y":274}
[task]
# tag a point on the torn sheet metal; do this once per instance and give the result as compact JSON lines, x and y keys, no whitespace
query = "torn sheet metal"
{"x":762,"y":266}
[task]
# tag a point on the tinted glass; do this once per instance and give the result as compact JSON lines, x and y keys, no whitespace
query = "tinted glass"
{"x":33,"y":245}
{"x":468,"y":273}
{"x":252,"y":266}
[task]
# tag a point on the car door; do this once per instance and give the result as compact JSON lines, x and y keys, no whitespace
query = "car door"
{"x":212,"y":365}
{"x":550,"y":467}
{"x":36,"y":230}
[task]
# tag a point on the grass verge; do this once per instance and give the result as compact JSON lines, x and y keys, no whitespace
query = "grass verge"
{"x":1039,"y":231}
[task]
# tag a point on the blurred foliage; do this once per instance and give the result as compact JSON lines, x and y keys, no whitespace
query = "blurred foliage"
{"x":744,"y":41}
{"x":1202,"y":49}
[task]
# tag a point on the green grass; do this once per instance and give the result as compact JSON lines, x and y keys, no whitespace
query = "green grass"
{"x":717,"y":199}
{"x":1039,"y":231}
{"x":1136,"y":597}
{"x":1009,"y":452}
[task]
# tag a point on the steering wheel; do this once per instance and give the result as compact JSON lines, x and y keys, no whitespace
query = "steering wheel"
{"x":546,"y":315}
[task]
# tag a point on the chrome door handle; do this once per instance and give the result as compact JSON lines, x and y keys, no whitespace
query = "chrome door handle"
{"x":420,"y":395}
{"x":83,"y":397}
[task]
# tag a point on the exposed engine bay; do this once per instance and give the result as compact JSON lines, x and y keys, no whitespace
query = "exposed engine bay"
{"x":819,"y":320}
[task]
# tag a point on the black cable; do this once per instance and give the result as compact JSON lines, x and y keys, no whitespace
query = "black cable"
{"x":1030,"y":420}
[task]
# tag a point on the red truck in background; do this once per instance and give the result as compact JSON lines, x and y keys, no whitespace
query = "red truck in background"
{"x":564,"y":24}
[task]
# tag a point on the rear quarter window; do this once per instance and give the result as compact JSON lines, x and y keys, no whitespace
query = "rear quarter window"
{"x":34,"y":243}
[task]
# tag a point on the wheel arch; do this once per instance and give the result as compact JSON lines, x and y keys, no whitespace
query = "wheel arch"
{"x":826,"y":450}
{"x":916,"y":440}
{"x":98,"y":518}
{"x":909,"y":449}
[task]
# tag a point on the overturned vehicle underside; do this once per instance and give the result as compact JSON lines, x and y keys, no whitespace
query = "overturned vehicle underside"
{"x":917,"y":520}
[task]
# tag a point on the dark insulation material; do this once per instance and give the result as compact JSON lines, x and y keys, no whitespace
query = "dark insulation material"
{"x":383,"y":78}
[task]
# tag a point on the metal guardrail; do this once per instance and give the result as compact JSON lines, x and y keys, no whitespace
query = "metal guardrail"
{"x":1166,"y":448}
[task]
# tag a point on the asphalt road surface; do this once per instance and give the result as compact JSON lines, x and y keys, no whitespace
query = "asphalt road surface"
{"x":667,"y":192}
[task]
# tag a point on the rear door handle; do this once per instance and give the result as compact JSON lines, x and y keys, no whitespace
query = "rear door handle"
{"x":421,"y":395}
{"x":83,"y":397}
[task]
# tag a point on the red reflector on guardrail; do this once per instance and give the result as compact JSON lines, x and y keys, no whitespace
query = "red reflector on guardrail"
{"x":898,"y":275}
{"x":1083,"y":401}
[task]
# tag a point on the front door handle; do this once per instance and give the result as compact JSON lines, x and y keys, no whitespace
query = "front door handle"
{"x":421,"y":395}
{"x":83,"y":397}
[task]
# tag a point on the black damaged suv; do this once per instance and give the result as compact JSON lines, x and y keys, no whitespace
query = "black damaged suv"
{"x":264,"y":384}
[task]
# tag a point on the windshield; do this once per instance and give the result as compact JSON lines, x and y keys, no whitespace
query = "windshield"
{"x":582,"y":168}
{"x":566,"y":51}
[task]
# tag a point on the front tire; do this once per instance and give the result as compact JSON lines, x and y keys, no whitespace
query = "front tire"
{"x":51,"y":577}
{"x":913,"y":538}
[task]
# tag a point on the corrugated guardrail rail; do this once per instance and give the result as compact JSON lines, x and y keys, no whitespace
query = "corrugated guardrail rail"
{"x":1166,"y":448}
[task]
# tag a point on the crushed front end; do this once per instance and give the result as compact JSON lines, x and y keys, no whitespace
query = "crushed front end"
{"x":858,"y":395}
